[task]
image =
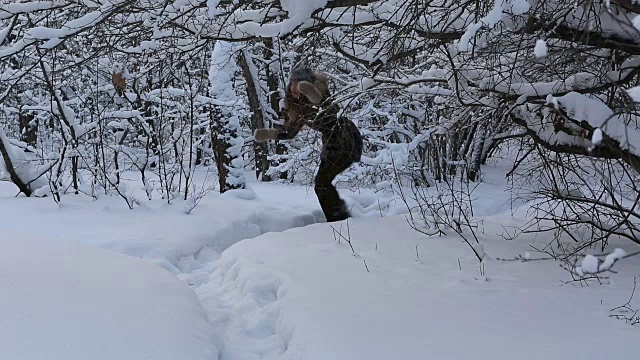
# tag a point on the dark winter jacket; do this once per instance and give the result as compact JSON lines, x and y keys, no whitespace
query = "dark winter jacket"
{"x":340,"y":136}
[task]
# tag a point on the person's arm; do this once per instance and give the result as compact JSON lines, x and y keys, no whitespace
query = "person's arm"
{"x":287,"y":132}
{"x":293,"y":123}
{"x":300,"y":110}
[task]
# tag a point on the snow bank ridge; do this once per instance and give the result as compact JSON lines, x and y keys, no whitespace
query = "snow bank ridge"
{"x":194,"y":261}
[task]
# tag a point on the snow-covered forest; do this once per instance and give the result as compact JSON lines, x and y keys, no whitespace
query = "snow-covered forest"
{"x":501,"y":159}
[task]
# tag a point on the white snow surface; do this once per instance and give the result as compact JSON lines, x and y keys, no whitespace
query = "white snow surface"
{"x":597,"y":114}
{"x":62,"y":300}
{"x":589,"y":264}
{"x":274,"y":283}
{"x":298,"y":13}
{"x":596,"y":138}
{"x":611,"y":259}
{"x":540,"y":50}
{"x":634,"y":92}
{"x":302,"y":295}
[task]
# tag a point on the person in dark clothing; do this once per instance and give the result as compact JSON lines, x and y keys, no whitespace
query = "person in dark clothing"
{"x":341,"y":139}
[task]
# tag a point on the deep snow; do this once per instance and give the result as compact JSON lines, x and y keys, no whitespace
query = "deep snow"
{"x":290,"y":290}
{"x":63,"y":300}
{"x":302,"y":295}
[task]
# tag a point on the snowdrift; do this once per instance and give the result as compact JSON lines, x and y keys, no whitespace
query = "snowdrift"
{"x":301,"y":294}
{"x":60,"y":300}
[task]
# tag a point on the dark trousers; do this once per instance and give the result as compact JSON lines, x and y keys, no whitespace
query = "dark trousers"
{"x":332,"y":165}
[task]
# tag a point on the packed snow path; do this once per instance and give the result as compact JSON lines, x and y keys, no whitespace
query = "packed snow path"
{"x":244,"y":310}
{"x":244,"y":322}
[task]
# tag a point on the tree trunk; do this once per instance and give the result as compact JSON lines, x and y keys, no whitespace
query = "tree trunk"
{"x":220,"y":140}
{"x":28,"y":129}
{"x":476,"y":154}
{"x":274,"y":99}
{"x":219,"y":147}
{"x":200,"y":147}
{"x":257,"y":119}
{"x":24,"y":188}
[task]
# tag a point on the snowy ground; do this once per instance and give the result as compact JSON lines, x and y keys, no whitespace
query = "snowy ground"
{"x":62,"y":300}
{"x":302,"y":295}
{"x":290,"y":290}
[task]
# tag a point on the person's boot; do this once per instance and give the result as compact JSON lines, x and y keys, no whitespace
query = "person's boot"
{"x":338,"y":213}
